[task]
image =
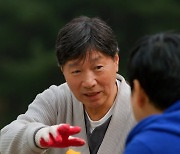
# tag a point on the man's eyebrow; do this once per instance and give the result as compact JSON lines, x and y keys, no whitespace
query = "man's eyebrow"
{"x":96,"y":58}
{"x":73,"y":64}
{"x":80,"y":62}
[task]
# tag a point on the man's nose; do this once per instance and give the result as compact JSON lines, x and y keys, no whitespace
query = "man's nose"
{"x":89,"y":80}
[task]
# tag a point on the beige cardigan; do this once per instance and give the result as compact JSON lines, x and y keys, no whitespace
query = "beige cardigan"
{"x":58,"y":105}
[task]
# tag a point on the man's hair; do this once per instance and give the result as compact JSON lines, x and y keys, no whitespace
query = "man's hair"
{"x":155,"y":63}
{"x":84,"y":34}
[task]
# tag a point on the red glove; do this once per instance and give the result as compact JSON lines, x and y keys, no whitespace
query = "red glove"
{"x":58,"y":136}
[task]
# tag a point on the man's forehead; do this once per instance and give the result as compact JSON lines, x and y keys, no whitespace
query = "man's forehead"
{"x":90,"y":57}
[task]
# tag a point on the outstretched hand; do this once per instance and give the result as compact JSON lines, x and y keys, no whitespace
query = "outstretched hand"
{"x":58,"y":136}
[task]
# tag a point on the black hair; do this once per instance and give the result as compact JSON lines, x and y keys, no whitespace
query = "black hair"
{"x":155,"y":63}
{"x":84,"y":34}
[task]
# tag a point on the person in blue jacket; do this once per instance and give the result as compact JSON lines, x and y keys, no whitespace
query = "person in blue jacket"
{"x":154,"y":76}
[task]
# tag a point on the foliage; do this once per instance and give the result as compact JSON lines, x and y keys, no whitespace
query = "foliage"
{"x":28,"y":32}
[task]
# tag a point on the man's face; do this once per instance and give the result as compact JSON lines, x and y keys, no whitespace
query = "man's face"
{"x":139,"y":100}
{"x":134,"y":103}
{"x":93,"y":79}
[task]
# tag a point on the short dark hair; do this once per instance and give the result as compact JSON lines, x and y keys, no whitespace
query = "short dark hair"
{"x":155,"y":63}
{"x":83,"y":34}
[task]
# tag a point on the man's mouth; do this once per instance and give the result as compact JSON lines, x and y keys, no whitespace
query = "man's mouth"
{"x":92,"y":94}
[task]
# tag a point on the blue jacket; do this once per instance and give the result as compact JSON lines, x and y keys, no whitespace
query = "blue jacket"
{"x":156,"y":134}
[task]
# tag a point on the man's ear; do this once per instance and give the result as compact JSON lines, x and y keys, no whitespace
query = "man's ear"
{"x":141,"y":96}
{"x":61,"y":68}
{"x":116,"y":59}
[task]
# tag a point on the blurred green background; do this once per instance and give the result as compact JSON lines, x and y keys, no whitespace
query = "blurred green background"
{"x":28,"y":30}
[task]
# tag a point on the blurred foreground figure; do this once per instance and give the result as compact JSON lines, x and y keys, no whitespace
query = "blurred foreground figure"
{"x":154,"y":76}
{"x":91,"y":112}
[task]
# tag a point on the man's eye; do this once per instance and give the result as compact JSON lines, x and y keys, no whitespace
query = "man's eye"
{"x":99,"y":67}
{"x":76,"y":72}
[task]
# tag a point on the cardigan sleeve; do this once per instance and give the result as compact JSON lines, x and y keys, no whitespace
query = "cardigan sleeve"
{"x":18,"y":136}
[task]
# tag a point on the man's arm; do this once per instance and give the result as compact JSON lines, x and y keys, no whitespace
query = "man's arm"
{"x":18,"y":136}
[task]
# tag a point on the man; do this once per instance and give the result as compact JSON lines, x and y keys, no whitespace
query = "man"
{"x":94,"y":98}
{"x":154,"y":76}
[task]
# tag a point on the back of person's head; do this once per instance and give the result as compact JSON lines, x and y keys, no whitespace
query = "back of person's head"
{"x":155,"y":63}
{"x":84,"y":34}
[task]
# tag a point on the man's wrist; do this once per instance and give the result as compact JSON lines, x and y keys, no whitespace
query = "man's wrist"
{"x":35,"y":138}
